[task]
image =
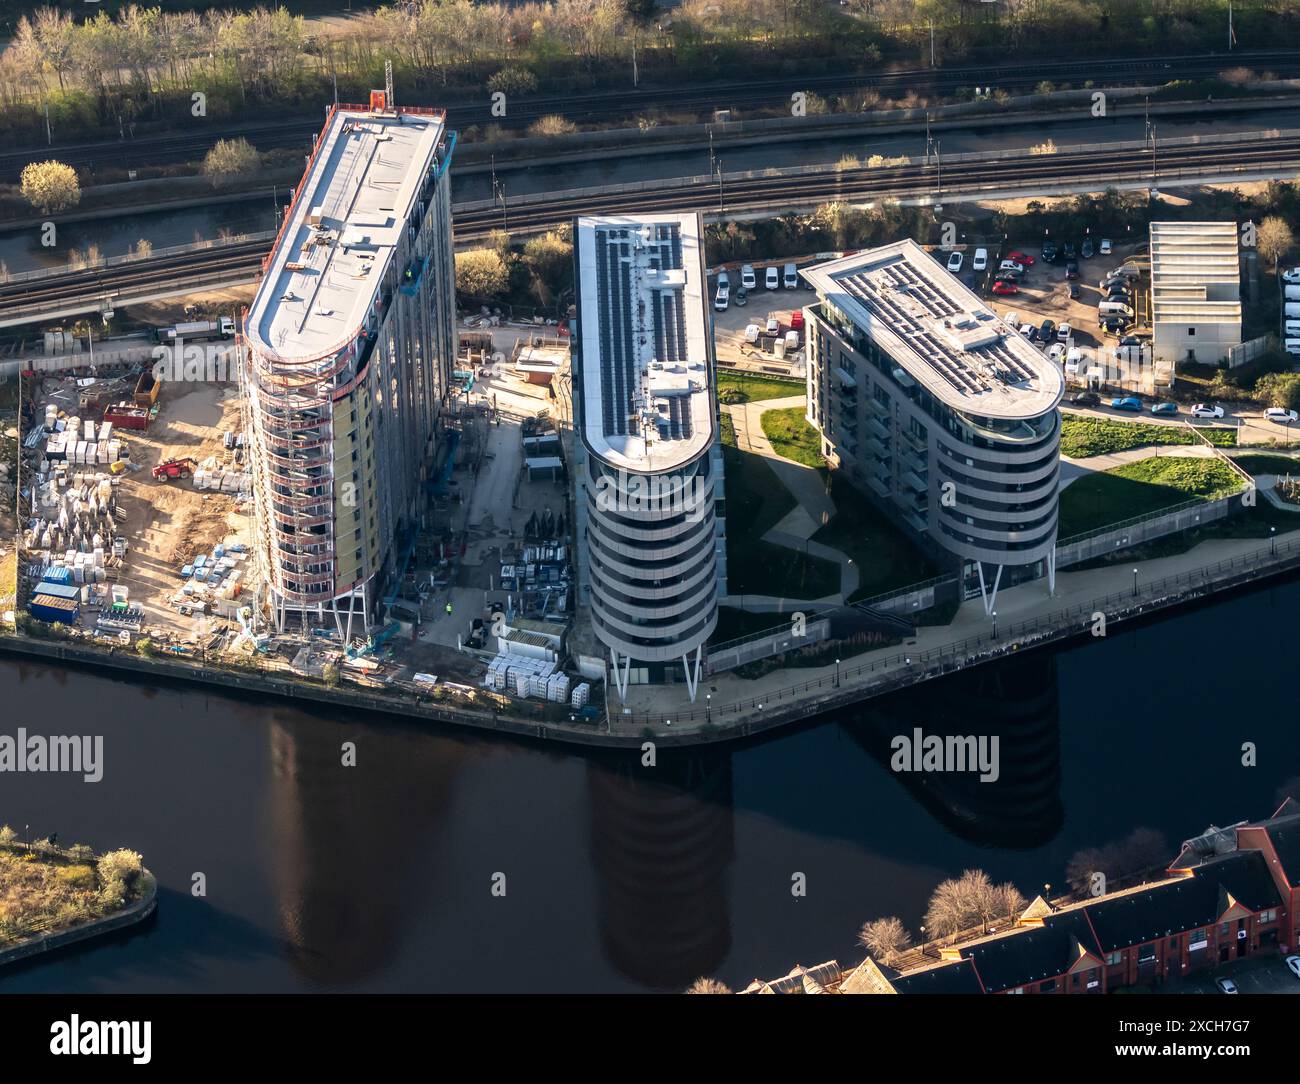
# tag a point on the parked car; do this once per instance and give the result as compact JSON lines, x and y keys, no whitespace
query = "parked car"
{"x":1128,"y":402}
{"x":1020,"y":257}
{"x":1292,"y":274}
{"x":796,"y":319}
{"x":1007,"y":276}
{"x":1012,"y":320}
{"x":1165,"y":408}
{"x":1074,"y":291}
{"x":1293,"y":965}
{"x":981,"y":260}
{"x":954,"y":262}
{"x":1115,"y":325}
{"x":1056,"y":352}
{"x":1047,"y":330}
{"x":1049,"y":251}
{"x":1207,"y":410}
{"x":1104,"y":248}
{"x":752,"y":332}
{"x":747,"y":277}
{"x":1063,"y":332}
{"x":1087,"y":250}
{"x":1005,"y":289}
{"x":723,"y":294}
{"x":791,"y":276}
{"x":1073,"y":359}
{"x":740,"y":296}
{"x":1130,"y":340}
{"x":1226,"y":985}
{"x":1085,"y":398}
{"x":1067,"y":250}
{"x":1012,"y":265}
{"x":724,"y":279}
{"x":1113,"y":280}
{"x":1128,"y":270}
{"x":1071,"y":270}
{"x":773,"y":325}
{"x":772,"y":278}
{"x":1029,"y":332}
{"x":1281,"y":415}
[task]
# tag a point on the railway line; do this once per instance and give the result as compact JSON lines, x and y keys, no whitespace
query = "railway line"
{"x":191,"y":143}
{"x":1272,"y":153}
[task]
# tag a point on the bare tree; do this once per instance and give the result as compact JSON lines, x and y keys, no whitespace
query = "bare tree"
{"x":969,"y":900}
{"x":1274,"y":239}
{"x":708,"y":986}
{"x":885,"y":938}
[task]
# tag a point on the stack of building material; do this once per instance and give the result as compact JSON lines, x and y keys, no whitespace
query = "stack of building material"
{"x":557,"y":688}
{"x":581,"y":694}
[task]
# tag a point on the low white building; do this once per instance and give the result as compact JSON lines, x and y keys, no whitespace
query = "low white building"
{"x":1195,"y":292}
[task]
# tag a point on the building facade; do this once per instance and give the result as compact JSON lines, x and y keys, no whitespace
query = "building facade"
{"x":348,"y":349}
{"x":648,"y":475}
{"x":1195,"y":292}
{"x":939,"y":410}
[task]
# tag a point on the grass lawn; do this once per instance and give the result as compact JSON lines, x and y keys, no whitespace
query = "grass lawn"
{"x":793,"y":437}
{"x":734,"y":387}
{"x":47,"y":892}
{"x":1136,"y":489}
{"x":885,"y":558}
{"x":756,"y":502}
{"x":1082,"y":436}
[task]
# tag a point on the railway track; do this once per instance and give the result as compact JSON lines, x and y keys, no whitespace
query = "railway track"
{"x":189,"y":144}
{"x":1220,"y":160}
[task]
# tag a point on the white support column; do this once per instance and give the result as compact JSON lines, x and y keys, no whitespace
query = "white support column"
{"x":1051,"y":571}
{"x":990,"y":596}
{"x":692,"y":672}
{"x":620,"y":681}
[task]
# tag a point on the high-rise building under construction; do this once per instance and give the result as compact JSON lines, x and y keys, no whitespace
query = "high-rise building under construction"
{"x":348,"y":350}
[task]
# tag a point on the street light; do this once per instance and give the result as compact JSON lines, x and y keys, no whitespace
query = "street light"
{"x":1272,"y":541}
{"x":708,"y":707}
{"x":837,"y":673}
{"x":995,"y":624}
{"x":1135,"y":582}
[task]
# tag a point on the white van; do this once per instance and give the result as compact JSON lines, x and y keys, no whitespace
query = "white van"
{"x":791,"y":277}
{"x":1291,"y":310}
{"x":1293,"y":293}
{"x":981,"y":260}
{"x":1073,"y":359}
{"x":791,"y":341}
{"x":1292,"y":329}
{"x":1112,"y":308}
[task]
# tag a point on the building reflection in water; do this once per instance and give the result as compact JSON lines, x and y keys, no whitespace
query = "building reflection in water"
{"x":662,"y":842}
{"x":343,"y":838}
{"x":1019,"y":701}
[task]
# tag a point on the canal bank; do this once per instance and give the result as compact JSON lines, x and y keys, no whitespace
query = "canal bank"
{"x":774,"y":701}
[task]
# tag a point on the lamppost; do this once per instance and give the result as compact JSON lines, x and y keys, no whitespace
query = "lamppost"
{"x":1272,"y":541}
{"x":995,"y":624}
{"x":1135,"y":583}
{"x":708,"y":707}
{"x":837,"y":673}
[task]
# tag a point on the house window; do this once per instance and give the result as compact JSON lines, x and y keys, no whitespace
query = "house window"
{"x":1268,"y":916}
{"x":1197,"y":939}
{"x":1146,"y":952}
{"x":1113,"y":958}
{"x":1191,"y":331}
{"x":1049,"y":987}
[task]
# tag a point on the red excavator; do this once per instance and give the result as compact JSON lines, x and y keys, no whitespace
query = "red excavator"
{"x":174,"y":468}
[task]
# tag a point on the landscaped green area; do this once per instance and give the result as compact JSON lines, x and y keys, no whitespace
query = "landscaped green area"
{"x":1083,"y":436}
{"x":793,"y":437}
{"x":756,"y":502}
{"x":1136,"y":489}
{"x":43,"y":888}
{"x":735,"y":387}
{"x":886,"y":559}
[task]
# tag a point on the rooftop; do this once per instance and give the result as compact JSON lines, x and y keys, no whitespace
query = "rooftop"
{"x":1195,"y":272}
{"x":939,"y":332}
{"x":643,"y":340}
{"x":325,"y":271}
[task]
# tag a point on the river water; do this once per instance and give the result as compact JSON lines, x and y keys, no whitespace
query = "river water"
{"x":379,"y":877}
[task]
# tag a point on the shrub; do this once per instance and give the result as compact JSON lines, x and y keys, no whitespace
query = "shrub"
{"x":50,"y":186}
{"x":230,"y":159}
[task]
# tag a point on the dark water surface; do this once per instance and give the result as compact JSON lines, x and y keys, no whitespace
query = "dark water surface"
{"x":619,"y":878}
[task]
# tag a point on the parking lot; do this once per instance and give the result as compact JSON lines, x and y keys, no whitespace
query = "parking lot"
{"x":759,"y":304}
{"x":1256,"y":975}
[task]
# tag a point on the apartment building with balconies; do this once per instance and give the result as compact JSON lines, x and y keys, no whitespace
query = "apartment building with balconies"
{"x":347,"y":352}
{"x":943,"y":414}
{"x":648,"y":476}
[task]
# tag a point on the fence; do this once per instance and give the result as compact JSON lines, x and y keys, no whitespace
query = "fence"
{"x":738,"y":652}
{"x":904,"y":668}
{"x":137,"y":257}
{"x":1250,"y":350}
{"x":1146,"y":528}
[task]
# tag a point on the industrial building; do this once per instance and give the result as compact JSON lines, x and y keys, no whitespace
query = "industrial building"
{"x":648,"y":474}
{"x":940,"y":410}
{"x":1195,"y":292}
{"x":349,"y":347}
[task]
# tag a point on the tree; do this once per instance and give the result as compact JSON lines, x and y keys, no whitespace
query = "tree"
{"x":7,"y":836}
{"x":230,"y":159}
{"x":1274,"y":239}
{"x":481,"y":273}
{"x":708,"y":986}
{"x":969,"y":900}
{"x":50,"y":186}
{"x":121,"y":865}
{"x":885,"y":938}
{"x":512,"y":81}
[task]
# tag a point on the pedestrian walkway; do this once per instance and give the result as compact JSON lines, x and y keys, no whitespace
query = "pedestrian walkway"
{"x":1074,"y":469}
{"x":814,"y":508}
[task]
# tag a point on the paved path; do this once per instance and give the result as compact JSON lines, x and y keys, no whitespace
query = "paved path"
{"x":814,"y":507}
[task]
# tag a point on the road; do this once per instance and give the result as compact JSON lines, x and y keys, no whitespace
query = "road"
{"x":1252,"y":427}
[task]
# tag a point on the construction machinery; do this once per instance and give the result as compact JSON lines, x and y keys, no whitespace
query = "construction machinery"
{"x":174,"y":468}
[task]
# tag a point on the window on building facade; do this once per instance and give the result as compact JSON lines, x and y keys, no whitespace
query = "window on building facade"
{"x":1113,"y":958}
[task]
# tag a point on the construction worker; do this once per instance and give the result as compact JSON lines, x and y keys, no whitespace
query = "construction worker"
{"x":448,"y":608}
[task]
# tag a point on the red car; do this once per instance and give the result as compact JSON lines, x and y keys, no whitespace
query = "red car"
{"x":1005,"y":288}
{"x":1020,"y":257}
